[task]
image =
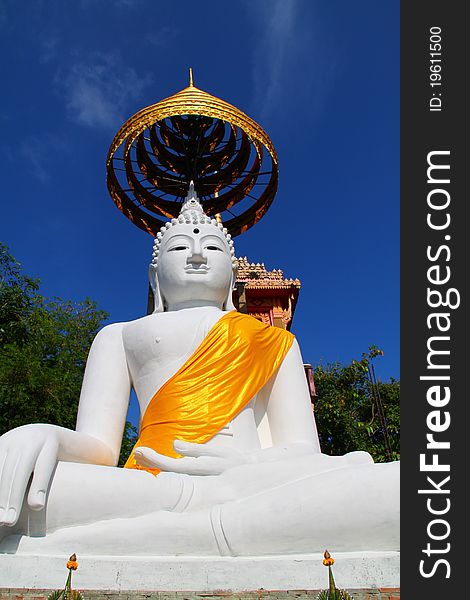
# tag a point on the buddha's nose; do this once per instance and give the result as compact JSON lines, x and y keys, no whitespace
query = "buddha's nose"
{"x":197,"y":256}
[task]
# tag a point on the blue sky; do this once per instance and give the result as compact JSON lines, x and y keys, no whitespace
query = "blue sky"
{"x":321,"y":77}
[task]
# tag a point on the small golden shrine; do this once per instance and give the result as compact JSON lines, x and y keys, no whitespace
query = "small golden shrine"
{"x":266,"y":295}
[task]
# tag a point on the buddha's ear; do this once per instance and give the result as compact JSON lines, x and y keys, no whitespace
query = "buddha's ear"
{"x":153,"y":278}
{"x":228,"y":304}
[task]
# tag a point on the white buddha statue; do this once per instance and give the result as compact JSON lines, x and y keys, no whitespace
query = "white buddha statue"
{"x":228,"y":459}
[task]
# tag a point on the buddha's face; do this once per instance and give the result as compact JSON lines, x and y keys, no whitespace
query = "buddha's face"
{"x":194,"y":266}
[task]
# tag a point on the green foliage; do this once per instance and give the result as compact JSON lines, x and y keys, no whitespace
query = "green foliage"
{"x":44,"y":345}
{"x":335,"y":595}
{"x":128,"y":441}
{"x":63,"y":595}
{"x":43,"y":350}
{"x":332,"y":593}
{"x":67,"y":593}
{"x":57,"y":595}
{"x":346,"y":413}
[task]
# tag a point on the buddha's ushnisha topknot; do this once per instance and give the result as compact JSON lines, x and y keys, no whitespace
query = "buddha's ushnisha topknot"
{"x":191,"y":214}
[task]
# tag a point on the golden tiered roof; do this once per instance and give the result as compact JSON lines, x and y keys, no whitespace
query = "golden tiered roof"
{"x":256,"y":276}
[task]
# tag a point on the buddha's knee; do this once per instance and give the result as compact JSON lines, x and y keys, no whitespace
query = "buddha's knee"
{"x":308,"y":515}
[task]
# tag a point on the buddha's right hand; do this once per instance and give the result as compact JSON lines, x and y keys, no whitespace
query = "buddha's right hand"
{"x":26,"y":450}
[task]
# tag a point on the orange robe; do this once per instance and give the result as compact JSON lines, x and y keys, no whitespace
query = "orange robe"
{"x":230,"y":366}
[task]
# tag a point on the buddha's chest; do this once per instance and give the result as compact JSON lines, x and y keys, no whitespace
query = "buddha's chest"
{"x":157,"y":347}
{"x":164,"y":341}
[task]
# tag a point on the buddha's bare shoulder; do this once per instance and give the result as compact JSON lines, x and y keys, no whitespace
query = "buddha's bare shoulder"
{"x":117,"y":330}
{"x":185,"y":318}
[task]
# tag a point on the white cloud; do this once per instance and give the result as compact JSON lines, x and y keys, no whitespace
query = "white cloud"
{"x":98,"y":91}
{"x":277,"y":21}
{"x":289,"y":55}
{"x":39,"y":154}
{"x":162,"y":37}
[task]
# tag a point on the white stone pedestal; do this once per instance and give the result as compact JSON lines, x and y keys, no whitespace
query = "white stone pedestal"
{"x":352,"y":570}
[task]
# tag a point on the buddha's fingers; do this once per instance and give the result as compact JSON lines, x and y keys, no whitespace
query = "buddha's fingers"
{"x":197,"y":450}
{"x":43,"y":470}
{"x":204,"y":465}
{"x":146,"y":457}
{"x":15,"y":475}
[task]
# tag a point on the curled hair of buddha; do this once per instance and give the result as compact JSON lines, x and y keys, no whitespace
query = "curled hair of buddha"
{"x":191,"y":214}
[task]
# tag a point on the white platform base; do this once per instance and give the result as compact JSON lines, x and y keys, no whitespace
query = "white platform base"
{"x":352,"y":570}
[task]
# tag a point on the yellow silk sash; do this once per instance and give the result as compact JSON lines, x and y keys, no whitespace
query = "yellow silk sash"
{"x":230,"y":366}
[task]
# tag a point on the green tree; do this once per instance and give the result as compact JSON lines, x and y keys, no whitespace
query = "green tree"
{"x":44,"y":345}
{"x":346,"y":410}
{"x":128,"y":440}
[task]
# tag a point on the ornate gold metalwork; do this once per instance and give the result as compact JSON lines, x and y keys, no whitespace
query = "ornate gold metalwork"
{"x":191,"y":101}
{"x":185,"y":110}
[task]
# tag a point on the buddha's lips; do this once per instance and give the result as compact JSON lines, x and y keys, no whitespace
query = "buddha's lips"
{"x":201,"y":269}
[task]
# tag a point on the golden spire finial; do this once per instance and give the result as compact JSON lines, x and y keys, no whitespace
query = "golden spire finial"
{"x":191,"y":83}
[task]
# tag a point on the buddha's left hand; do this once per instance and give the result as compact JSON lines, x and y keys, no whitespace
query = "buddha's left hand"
{"x":198,"y":459}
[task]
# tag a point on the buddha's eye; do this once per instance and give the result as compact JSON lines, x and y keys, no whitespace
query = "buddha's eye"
{"x":214,"y":248}
{"x":177,"y":248}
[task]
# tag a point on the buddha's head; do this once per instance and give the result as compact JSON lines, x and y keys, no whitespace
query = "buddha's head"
{"x":193,"y":261}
